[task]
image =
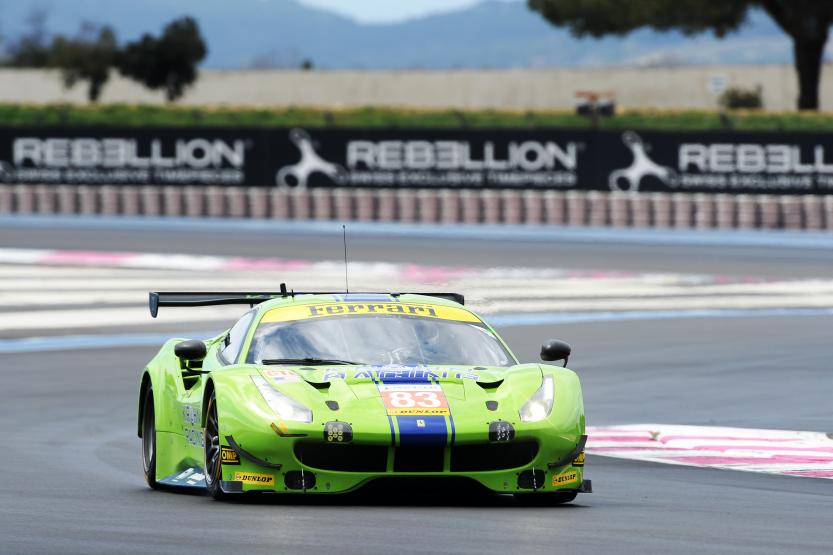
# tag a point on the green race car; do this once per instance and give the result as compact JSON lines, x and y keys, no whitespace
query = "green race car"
{"x":324,"y":392}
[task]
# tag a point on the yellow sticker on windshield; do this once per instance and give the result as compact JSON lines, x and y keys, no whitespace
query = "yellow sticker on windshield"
{"x":323,"y":310}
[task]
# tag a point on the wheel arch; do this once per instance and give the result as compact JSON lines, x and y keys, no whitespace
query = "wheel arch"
{"x":569,"y":399}
{"x":206,"y":395}
{"x":146,"y":384}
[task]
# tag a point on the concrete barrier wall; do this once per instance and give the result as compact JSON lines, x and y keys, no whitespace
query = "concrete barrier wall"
{"x":521,"y":89}
{"x":431,"y":206}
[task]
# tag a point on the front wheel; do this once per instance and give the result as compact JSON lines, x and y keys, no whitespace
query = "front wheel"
{"x":545,"y":499}
{"x":213,"y":466}
{"x":149,"y":439}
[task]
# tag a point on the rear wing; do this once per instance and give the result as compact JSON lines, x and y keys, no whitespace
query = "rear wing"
{"x":157,"y":299}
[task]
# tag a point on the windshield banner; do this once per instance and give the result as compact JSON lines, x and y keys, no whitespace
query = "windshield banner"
{"x":324,"y":310}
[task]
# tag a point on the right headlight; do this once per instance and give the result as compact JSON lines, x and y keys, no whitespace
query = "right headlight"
{"x":285,"y":407}
{"x":539,"y":405}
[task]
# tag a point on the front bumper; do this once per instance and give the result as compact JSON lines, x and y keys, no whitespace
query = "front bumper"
{"x":303,"y":465}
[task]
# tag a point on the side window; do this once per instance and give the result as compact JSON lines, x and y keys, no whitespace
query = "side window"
{"x":235,"y":338}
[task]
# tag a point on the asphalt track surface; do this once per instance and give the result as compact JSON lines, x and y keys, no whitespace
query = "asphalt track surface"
{"x":71,"y":456}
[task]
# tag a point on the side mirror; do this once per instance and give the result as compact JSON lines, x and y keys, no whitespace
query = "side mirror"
{"x":191,"y":351}
{"x":555,"y":350}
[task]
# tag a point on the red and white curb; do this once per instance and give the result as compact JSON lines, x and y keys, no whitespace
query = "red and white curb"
{"x":806,"y":454}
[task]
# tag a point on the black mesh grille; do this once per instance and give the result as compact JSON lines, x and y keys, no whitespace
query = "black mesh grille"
{"x":433,"y":487}
{"x":492,"y":456}
{"x":345,"y":458}
{"x":419,"y":458}
{"x":416,"y":458}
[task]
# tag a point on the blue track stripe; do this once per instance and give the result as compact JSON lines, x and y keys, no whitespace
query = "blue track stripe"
{"x":78,"y":342}
{"x":533,"y":319}
{"x":548,"y":233}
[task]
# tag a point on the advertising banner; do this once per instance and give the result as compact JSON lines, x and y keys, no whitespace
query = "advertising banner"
{"x":555,"y":159}
{"x":132,"y":156}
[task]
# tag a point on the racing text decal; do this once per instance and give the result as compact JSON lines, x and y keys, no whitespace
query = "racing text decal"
{"x":229,"y":456}
{"x":304,"y":312}
{"x":407,"y":374}
{"x":565,"y":478}
{"x":255,"y":479}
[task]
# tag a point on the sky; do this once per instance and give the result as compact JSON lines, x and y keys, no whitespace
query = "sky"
{"x":387,"y":11}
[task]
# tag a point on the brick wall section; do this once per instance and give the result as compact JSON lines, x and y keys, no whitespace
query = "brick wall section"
{"x":430,"y":206}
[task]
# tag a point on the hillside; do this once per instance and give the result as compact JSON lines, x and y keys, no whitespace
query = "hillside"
{"x":282,"y":33}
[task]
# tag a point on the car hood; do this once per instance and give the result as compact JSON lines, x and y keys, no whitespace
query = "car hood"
{"x":402,"y":374}
{"x":362,"y":382}
{"x":436,"y":404}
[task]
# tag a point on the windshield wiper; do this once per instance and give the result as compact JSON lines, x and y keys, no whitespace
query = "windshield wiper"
{"x":307,"y":361}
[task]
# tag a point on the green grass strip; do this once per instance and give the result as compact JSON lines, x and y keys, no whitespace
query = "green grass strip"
{"x":126,"y":115}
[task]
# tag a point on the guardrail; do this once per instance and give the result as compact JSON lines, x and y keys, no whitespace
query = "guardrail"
{"x":430,"y":206}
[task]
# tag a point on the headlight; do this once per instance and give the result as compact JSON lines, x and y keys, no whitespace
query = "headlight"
{"x":285,"y":407}
{"x":539,"y":405}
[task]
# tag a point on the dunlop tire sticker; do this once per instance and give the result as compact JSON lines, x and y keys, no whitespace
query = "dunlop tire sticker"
{"x":564,"y":479}
{"x":254,"y":479}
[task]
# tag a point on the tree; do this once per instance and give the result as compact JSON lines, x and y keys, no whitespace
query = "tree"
{"x":32,"y":48}
{"x":168,"y":62}
{"x":88,"y":57}
{"x":806,"y":21}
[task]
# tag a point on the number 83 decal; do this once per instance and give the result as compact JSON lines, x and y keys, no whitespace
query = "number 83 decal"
{"x":416,"y":400}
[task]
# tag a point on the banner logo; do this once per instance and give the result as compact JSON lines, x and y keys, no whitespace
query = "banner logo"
{"x":6,"y":171}
{"x":297,"y":175}
{"x":121,"y":160}
{"x":641,"y":167}
{"x":406,"y":161}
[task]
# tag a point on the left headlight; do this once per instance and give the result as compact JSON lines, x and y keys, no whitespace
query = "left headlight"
{"x":539,"y":405}
{"x":285,"y":407}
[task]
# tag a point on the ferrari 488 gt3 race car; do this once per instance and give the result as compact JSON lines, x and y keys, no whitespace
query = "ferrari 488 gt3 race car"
{"x":321,"y":393}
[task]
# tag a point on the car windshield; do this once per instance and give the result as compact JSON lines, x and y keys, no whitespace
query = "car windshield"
{"x":378,"y":340}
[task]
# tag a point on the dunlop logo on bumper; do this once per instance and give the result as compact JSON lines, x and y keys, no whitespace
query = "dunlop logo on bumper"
{"x":254,"y":479}
{"x":579,"y":461}
{"x":565,"y":478}
{"x":229,"y":456}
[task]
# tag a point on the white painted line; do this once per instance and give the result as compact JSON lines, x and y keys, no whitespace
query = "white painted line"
{"x":790,"y":453}
{"x":91,"y":282}
{"x":693,"y":303}
{"x":477,"y":232}
{"x":20,"y":256}
{"x":105,"y":317}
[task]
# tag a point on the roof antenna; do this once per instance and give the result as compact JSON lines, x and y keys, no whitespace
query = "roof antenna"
{"x":344,"y":234}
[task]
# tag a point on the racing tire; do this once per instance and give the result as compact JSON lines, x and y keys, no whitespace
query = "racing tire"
{"x":213,"y":464}
{"x":545,"y":499}
{"x":149,"y":439}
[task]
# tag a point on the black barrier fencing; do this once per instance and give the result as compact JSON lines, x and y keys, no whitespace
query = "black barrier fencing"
{"x":557,"y":159}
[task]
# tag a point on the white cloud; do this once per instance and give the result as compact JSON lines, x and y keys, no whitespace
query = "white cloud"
{"x":387,"y":11}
